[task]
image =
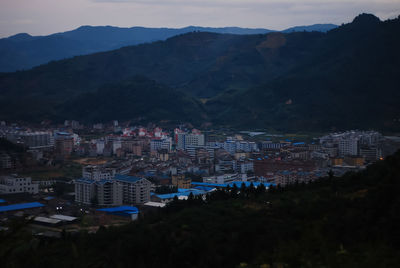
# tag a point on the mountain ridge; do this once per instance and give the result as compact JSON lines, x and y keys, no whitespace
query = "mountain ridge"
{"x":31,"y":51}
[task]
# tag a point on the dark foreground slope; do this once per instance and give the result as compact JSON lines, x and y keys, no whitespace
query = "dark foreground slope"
{"x":350,"y":81}
{"x":350,"y":221}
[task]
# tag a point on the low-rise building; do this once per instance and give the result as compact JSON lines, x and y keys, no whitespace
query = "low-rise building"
{"x":181,"y":182}
{"x":225,"y":178}
{"x":14,"y":184}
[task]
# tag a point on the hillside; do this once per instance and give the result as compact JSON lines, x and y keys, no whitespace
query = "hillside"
{"x":345,"y":78}
{"x":350,"y":221}
{"x":200,"y":64}
{"x":137,"y":99}
{"x":350,"y":81}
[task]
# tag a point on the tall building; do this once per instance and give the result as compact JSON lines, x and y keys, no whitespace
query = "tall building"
{"x":64,"y":142}
{"x":102,"y":192}
{"x":348,"y":146}
{"x":135,"y":190}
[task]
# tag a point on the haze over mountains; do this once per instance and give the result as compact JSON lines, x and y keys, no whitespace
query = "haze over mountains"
{"x":345,"y":78}
{"x":23,"y":51}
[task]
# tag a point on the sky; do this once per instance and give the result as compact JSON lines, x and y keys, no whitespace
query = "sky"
{"x":43,"y":17}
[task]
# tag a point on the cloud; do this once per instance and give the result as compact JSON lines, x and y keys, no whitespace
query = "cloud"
{"x":23,"y":22}
{"x":49,"y":16}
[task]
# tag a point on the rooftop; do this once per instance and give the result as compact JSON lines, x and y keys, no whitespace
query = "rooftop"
{"x":123,"y":209}
{"x":126,"y":178}
{"x":63,"y":217}
{"x":46,"y":220}
{"x":20,"y":206}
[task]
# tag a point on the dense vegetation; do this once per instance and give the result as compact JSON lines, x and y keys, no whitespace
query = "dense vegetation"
{"x":346,"y":78}
{"x":350,"y":81}
{"x":351,"y":221}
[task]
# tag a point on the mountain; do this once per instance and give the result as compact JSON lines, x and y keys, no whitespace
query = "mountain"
{"x":23,"y":51}
{"x":199,"y":63}
{"x":349,"y":221}
{"x":350,"y":81}
{"x":311,"y":28}
{"x":345,"y":78}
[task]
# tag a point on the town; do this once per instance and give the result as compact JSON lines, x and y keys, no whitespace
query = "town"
{"x":73,"y":177}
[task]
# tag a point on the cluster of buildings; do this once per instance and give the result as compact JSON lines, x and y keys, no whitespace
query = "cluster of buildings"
{"x":145,"y":158}
{"x":145,"y":167}
{"x":362,"y":144}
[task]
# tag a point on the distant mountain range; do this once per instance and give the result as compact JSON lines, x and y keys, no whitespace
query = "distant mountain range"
{"x":23,"y":51}
{"x":345,"y":78}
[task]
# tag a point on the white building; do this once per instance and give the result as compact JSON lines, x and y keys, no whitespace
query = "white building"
{"x":158,"y":144}
{"x":135,"y":190}
{"x":348,"y":146}
{"x":225,"y":178}
{"x":192,"y":139}
{"x":100,"y":146}
{"x":14,"y":184}
{"x":5,"y":161}
{"x":34,"y":140}
{"x":245,"y":167}
{"x":103,"y":192}
{"x":97,"y":173}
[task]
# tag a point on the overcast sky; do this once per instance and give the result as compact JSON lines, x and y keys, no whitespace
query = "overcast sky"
{"x":42,"y":17}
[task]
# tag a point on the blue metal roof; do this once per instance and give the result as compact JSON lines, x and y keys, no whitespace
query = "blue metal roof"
{"x":20,"y":206}
{"x":208,"y":184}
{"x":168,"y":196}
{"x":126,"y":178}
{"x":204,"y":188}
{"x":181,"y":190}
{"x":2,"y":201}
{"x":48,"y":198}
{"x":104,"y":181}
{"x":299,"y":143}
{"x":186,"y":193}
{"x":238,"y":184}
{"x":83,"y":180}
{"x":124,"y":209}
